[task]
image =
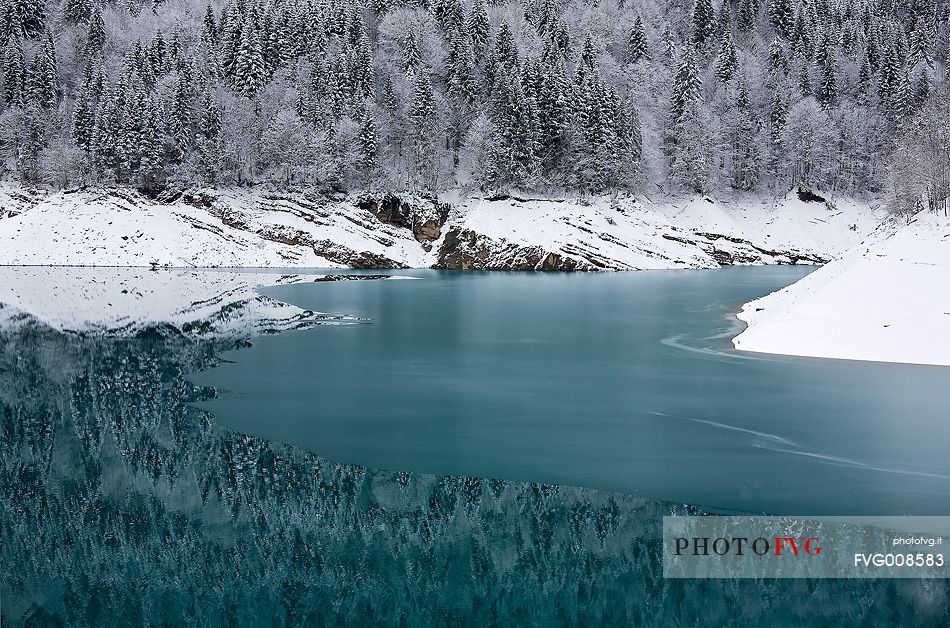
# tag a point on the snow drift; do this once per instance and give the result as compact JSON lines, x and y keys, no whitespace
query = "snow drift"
{"x":885,"y":300}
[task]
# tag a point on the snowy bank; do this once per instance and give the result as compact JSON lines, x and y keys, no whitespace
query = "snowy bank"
{"x":243,"y":228}
{"x":640,"y":233}
{"x":238,"y":229}
{"x":885,"y":300}
{"x":124,"y":301}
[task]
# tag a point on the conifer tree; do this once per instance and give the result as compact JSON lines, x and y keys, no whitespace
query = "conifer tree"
{"x":637,"y":43}
{"x":828,"y":90}
{"x":669,"y":45}
{"x":702,"y":23}
{"x":461,"y":69}
{"x":723,"y":20}
{"x":505,"y":52}
{"x":360,"y":69}
{"x":514,"y":156}
{"x":422,"y":119}
{"x":922,"y":89}
{"x":804,"y":78}
{"x":209,"y":29}
{"x":76,"y":11}
{"x":865,"y":75}
{"x":745,"y":148}
{"x":747,"y":14}
{"x":782,"y":17}
{"x":801,"y":34}
{"x":448,"y":14}
{"x":105,"y":136}
{"x":686,"y":85}
{"x":478,"y":27}
{"x":151,"y":163}
{"x":26,"y":18}
{"x":689,"y":167}
{"x":13,"y":72}
{"x":96,"y":34}
{"x":43,"y":74}
{"x":249,"y":67}
{"x":412,"y":58}
{"x":778,"y":114}
{"x":369,"y":141}
{"x":889,"y":76}
{"x":919,"y":45}
{"x":229,"y":36}
{"x":547,"y":18}
{"x":390,"y":100}
{"x":587,"y":63}
{"x":131,"y":140}
{"x":356,"y":29}
{"x":209,"y":128}
{"x":902,"y":101}
{"x":156,"y":56}
{"x":84,"y":118}
{"x":422,"y":110}
{"x":32,"y":141}
{"x":337,"y":88}
{"x":271,"y":44}
{"x":728,"y":61}
{"x":688,"y":144}
{"x":179,"y":116}
{"x":777,"y":61}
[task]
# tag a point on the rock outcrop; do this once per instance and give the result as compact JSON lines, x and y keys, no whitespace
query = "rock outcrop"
{"x":463,"y":249}
{"x":253,"y":227}
{"x":424,"y":217}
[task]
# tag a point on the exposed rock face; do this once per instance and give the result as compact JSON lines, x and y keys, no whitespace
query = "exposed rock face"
{"x":464,"y":249}
{"x":808,"y":196}
{"x":345,"y":255}
{"x":749,"y":253}
{"x":324,"y":248}
{"x":245,"y":227}
{"x":424,"y":219}
{"x":428,"y":231}
{"x":330,"y":278}
{"x":731,"y":251}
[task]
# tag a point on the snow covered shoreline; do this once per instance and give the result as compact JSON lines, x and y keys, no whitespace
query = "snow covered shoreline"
{"x":886,"y":300}
{"x":242,"y":228}
{"x":879,"y":300}
{"x":126,"y":301}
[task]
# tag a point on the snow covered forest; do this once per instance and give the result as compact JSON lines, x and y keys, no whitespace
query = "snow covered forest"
{"x":581,"y":95}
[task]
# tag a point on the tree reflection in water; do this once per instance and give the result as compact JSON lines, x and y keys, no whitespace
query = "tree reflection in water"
{"x":122,"y":504}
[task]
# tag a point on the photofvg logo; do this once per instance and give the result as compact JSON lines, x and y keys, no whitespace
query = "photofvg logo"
{"x":804,"y":547}
{"x":740,"y":545}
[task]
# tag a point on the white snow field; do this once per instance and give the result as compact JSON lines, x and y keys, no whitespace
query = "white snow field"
{"x":255,"y":228}
{"x":887,"y":300}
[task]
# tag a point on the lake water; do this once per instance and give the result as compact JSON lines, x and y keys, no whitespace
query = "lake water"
{"x":623,"y":381}
{"x":525,"y":435}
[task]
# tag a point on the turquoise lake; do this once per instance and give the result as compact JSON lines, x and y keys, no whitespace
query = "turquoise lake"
{"x":481,"y":449}
{"x":618,"y":381}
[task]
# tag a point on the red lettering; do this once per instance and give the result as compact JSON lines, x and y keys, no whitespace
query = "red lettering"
{"x":780,"y":543}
